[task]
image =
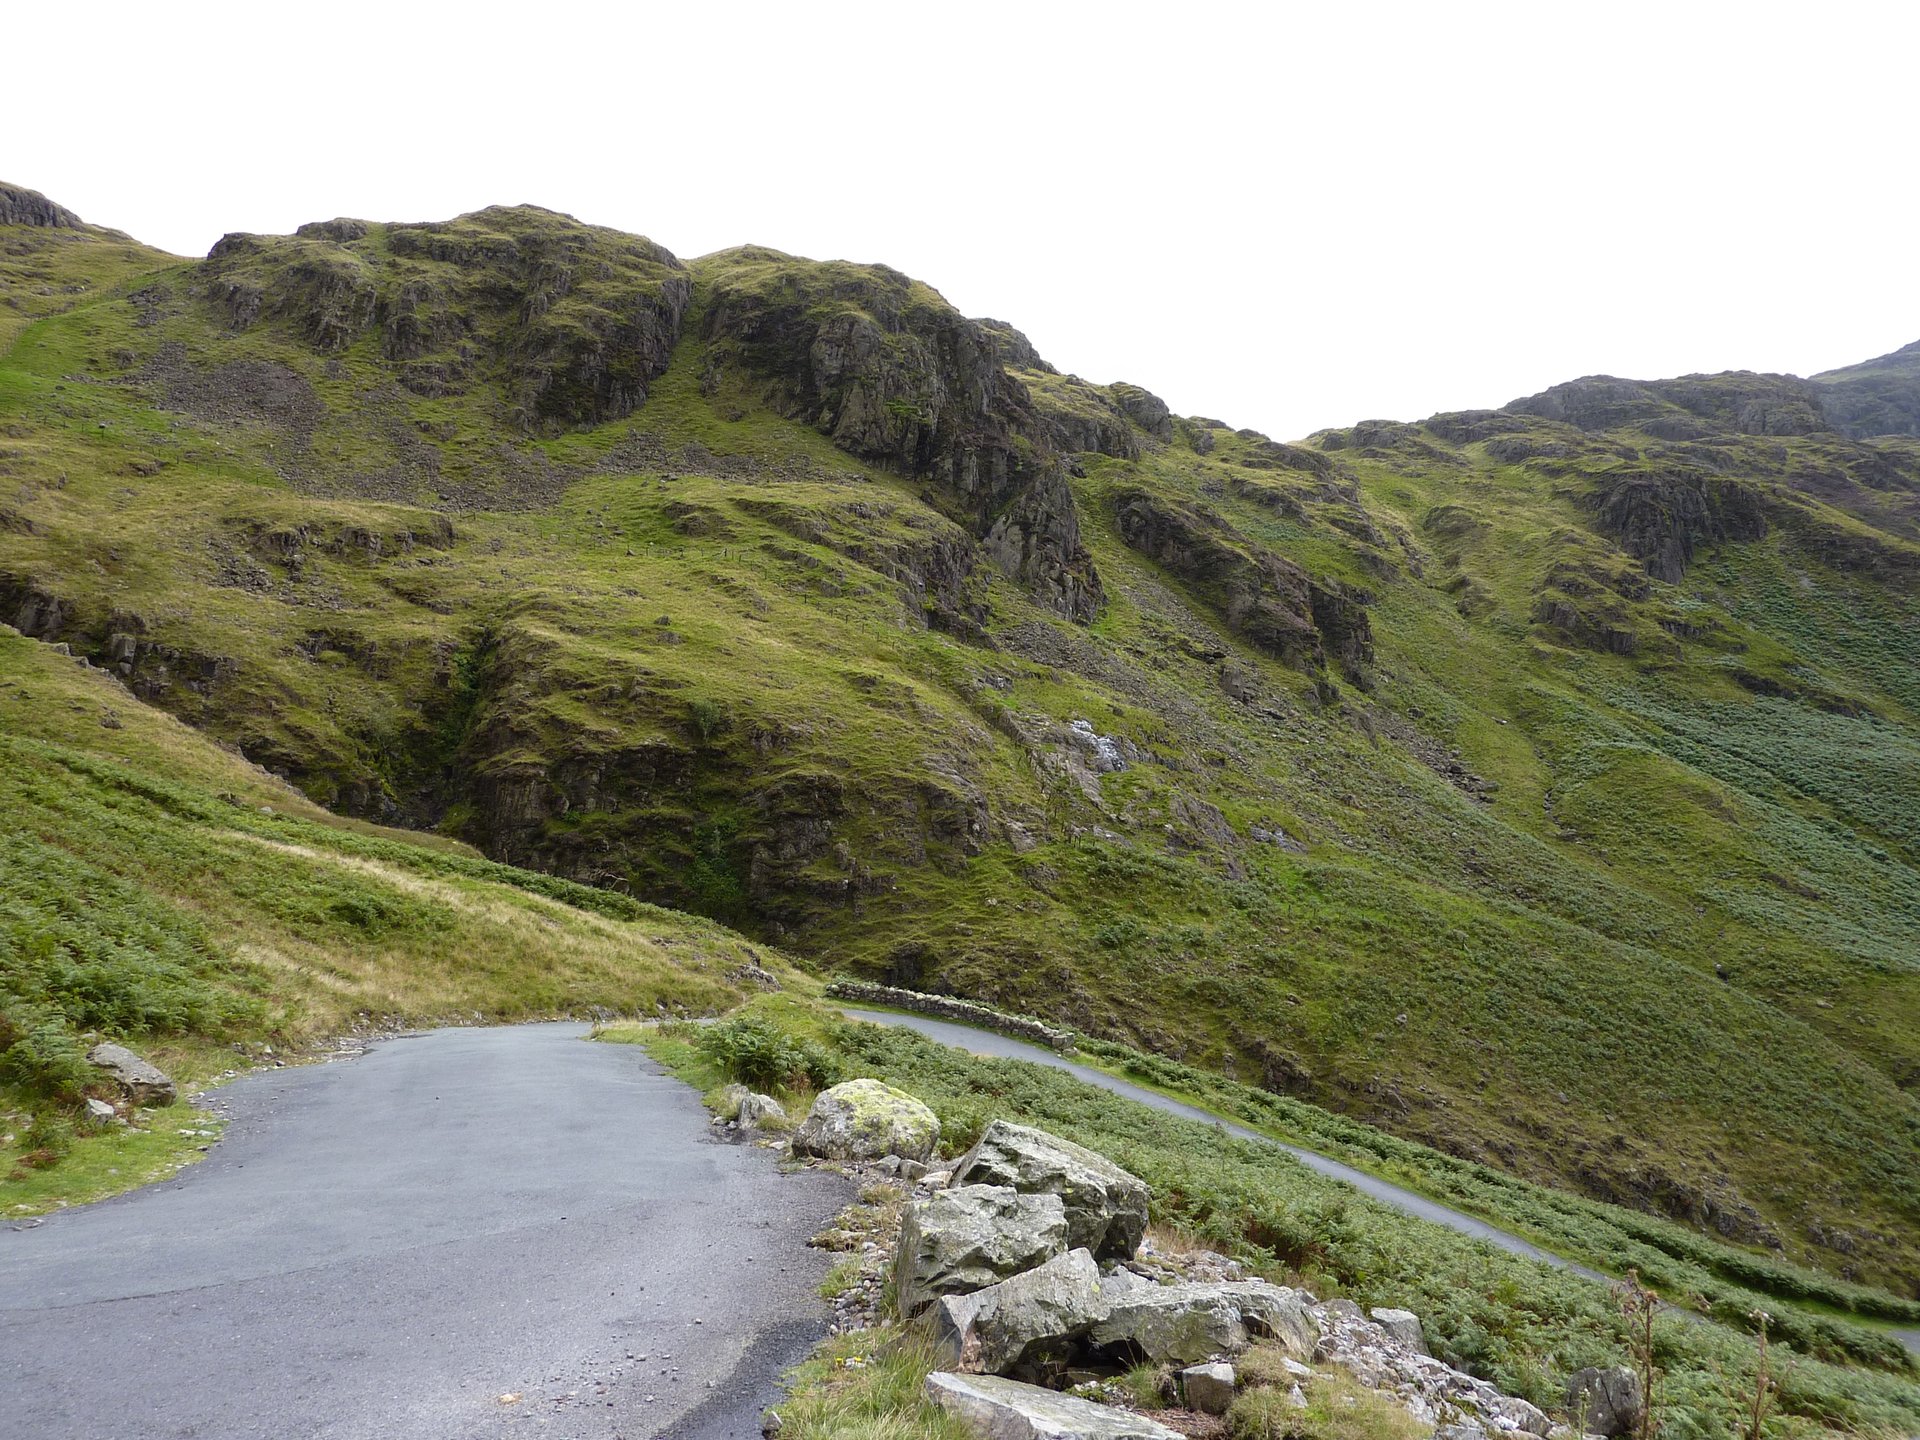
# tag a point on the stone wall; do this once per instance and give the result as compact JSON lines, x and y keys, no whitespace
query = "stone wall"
{"x":947,"y":1007}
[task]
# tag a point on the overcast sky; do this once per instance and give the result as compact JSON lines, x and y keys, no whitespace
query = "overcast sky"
{"x":1283,"y":216}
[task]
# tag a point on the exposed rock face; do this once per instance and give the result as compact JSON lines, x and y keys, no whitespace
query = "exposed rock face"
{"x":1605,"y":1401}
{"x":21,"y":206}
{"x":1186,"y":1324}
{"x":1033,"y":1316}
{"x":1012,"y":348}
{"x":1662,"y":519}
{"x":971,"y":1236}
{"x":144,"y":1083}
{"x":1144,"y":409}
{"x":895,"y":375}
{"x":864,"y":1120}
{"x":1001,"y":1409}
{"x":1261,"y":595}
{"x":578,"y":320}
{"x":1741,"y":401}
{"x":1106,"y":1208}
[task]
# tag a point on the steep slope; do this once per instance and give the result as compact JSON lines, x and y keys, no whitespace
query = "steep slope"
{"x":158,"y":890}
{"x":1530,"y":782}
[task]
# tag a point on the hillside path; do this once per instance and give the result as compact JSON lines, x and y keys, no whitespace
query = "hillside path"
{"x":385,"y":1247}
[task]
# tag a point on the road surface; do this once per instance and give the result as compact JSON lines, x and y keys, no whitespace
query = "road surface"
{"x":386,"y":1247}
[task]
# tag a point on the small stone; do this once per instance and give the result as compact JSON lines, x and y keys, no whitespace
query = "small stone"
{"x":1209,"y":1388}
{"x":100,"y":1111}
{"x":771,"y":1424}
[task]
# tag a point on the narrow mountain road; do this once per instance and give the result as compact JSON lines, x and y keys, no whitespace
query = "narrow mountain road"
{"x":389,"y":1247}
{"x":988,"y":1042}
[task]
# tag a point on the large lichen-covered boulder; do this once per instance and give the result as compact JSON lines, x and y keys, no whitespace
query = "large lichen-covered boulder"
{"x":1034,"y":1316}
{"x":864,"y":1120}
{"x":1106,"y":1206}
{"x":143,"y":1082}
{"x":1000,"y":1409}
{"x":970,"y":1236}
{"x":1185,"y":1324}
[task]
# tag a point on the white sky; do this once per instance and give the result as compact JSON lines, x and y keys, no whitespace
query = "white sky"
{"x":1283,"y":216}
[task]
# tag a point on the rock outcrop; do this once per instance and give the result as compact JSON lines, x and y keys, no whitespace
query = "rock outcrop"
{"x":576,"y":320}
{"x":1433,"y":1392}
{"x":1265,"y":597}
{"x":893,"y":374}
{"x":1106,"y":1208}
{"x":865,"y":1120}
{"x":1661,"y":519}
{"x":21,"y":206}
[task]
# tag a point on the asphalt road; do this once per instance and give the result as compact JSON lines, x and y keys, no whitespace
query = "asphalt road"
{"x":385,"y":1247}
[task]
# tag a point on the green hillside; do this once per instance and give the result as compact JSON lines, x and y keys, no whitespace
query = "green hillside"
{"x":157,"y":889}
{"x":1535,"y":783}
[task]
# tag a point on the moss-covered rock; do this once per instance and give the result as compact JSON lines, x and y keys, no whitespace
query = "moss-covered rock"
{"x":865,"y":1120}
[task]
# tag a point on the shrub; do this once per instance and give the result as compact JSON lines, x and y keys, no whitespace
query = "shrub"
{"x":44,"y":1059}
{"x":46,"y":1141}
{"x":758,"y":1054}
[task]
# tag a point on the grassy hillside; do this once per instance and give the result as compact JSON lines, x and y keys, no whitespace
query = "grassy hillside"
{"x":1532,"y":783}
{"x":158,"y":890}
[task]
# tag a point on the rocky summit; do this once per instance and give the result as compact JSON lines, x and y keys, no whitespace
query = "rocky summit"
{"x":1536,"y":783}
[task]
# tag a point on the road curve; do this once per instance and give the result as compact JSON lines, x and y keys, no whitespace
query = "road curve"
{"x":386,"y":1247}
{"x":988,"y":1042}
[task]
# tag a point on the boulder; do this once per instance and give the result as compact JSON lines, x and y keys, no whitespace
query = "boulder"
{"x":968,"y":1237}
{"x":1605,"y":1401}
{"x":1106,"y":1206}
{"x":863,"y":1120}
{"x":1403,"y":1326}
{"x":143,"y":1083}
{"x":1186,"y":1324}
{"x":1000,"y":1409}
{"x":1032,"y":1316}
{"x":758,"y":1112}
{"x":1209,"y":1388}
